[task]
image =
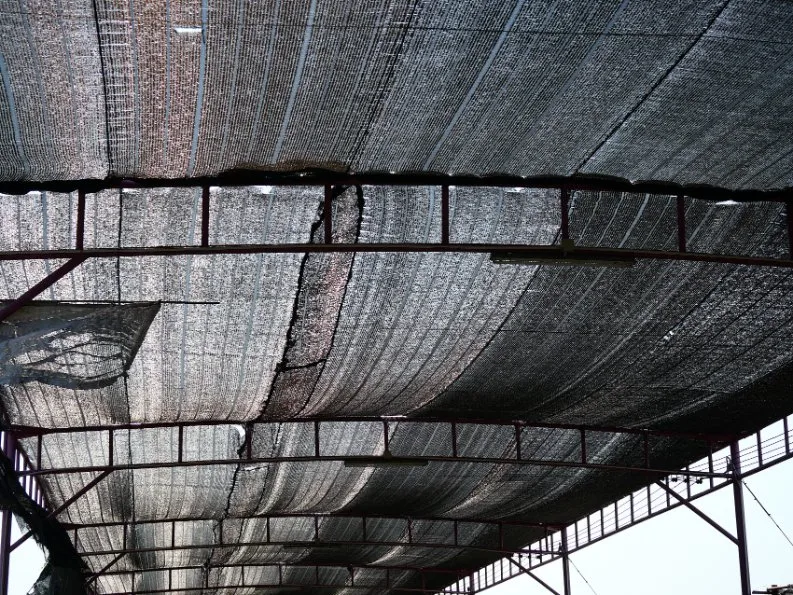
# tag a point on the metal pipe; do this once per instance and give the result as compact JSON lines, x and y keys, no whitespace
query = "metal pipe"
{"x":681,"y":223}
{"x":308,"y":545}
{"x":80,"y":232}
{"x":238,"y":178}
{"x":288,"y":587}
{"x":23,"y":431}
{"x":565,"y":208}
{"x":565,"y":564}
{"x":373,"y":461}
{"x":533,"y":251}
{"x":205,"y":215}
{"x":740,"y":519}
{"x":445,"y":214}
{"x":328,"y":214}
{"x":5,"y":524}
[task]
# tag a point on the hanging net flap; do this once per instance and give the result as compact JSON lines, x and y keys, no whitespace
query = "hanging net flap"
{"x":72,"y":346}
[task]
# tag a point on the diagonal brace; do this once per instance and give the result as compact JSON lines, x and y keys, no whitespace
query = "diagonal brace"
{"x":534,"y":576}
{"x":88,"y":487}
{"x":47,"y":282}
{"x":107,"y":567}
{"x":698,"y":512}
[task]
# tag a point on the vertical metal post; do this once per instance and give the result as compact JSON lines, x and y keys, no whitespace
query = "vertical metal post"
{"x":740,"y":519}
{"x":80,"y":235}
{"x":5,"y":525}
{"x":681,"y":223}
{"x":565,"y":200}
{"x":444,"y":215}
{"x":328,"y":213}
{"x":205,"y":216}
{"x":565,"y":564}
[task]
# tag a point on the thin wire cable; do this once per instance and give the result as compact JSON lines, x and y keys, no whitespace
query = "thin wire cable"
{"x":569,"y":559}
{"x":765,"y":510}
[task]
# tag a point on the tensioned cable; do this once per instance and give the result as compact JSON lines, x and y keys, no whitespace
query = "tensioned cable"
{"x":765,"y":510}
{"x":569,"y":559}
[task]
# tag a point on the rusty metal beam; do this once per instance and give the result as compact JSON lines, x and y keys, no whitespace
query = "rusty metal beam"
{"x":549,"y":253}
{"x":353,"y":567}
{"x":13,"y":306}
{"x":714,"y":438}
{"x":363,"y":518}
{"x":319,"y":177}
{"x":410,"y":542}
{"x":285,"y":586}
{"x":104,"y":569}
{"x":383,"y":460}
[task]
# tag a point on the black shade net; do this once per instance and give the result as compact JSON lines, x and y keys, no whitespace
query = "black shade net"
{"x":698,"y":347}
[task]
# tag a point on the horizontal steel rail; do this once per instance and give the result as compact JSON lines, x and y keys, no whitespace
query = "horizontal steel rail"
{"x":714,"y":438}
{"x":321,"y":517}
{"x":548,"y":253}
{"x":316,"y":177}
{"x":285,"y":586}
{"x":370,"y":461}
{"x":409,"y":542}
{"x":287,"y":566}
{"x":512,"y":445}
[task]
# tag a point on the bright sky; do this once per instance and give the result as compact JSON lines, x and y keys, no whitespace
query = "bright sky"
{"x":676,"y":552}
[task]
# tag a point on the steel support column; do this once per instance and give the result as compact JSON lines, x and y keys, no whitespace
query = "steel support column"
{"x":5,"y":523}
{"x":565,"y":564}
{"x":740,"y":519}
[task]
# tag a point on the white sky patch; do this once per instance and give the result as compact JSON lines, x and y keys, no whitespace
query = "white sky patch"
{"x":240,"y":430}
{"x":186,"y":30}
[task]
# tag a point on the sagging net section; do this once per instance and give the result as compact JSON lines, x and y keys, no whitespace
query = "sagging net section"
{"x":77,"y":346}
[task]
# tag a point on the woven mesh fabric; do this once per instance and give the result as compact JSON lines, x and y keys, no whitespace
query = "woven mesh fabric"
{"x":686,"y":91}
{"x":72,"y":346}
{"x":693,"y":92}
{"x":254,"y":339}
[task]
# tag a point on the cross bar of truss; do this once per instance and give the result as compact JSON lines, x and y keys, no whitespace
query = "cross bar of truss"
{"x":409,"y":542}
{"x":283,"y":567}
{"x":290,"y":587}
{"x":317,"y":177}
{"x":715,"y":438}
{"x":581,"y":441}
{"x":362,"y":518}
{"x":550,"y":253}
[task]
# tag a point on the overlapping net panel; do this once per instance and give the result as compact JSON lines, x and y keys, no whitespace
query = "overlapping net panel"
{"x":639,"y":91}
{"x":72,"y":346}
{"x":250,"y":350}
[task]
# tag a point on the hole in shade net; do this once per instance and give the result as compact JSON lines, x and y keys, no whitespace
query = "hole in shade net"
{"x":727,"y":203}
{"x":187,"y":30}
{"x":264,"y":189}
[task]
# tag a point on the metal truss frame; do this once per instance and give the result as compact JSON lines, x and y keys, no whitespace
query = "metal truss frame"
{"x":330,"y":181}
{"x":557,"y":544}
{"x":753,"y":454}
{"x":514,"y":448}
